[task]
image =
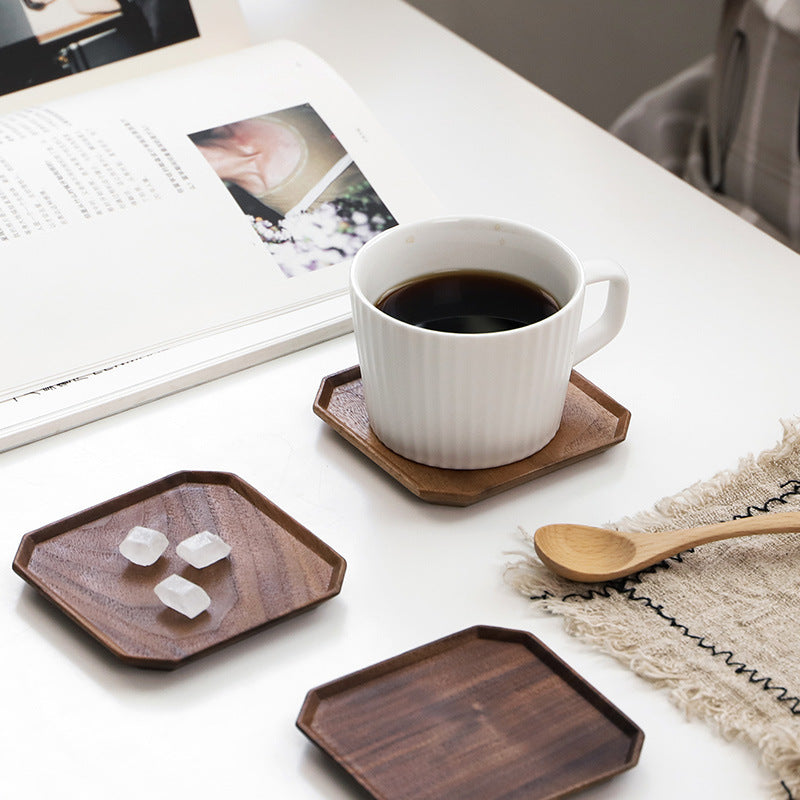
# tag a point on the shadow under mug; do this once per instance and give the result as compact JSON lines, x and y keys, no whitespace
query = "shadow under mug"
{"x":478,"y":400}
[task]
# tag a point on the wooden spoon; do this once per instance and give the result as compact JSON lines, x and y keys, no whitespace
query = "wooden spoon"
{"x":586,"y":554}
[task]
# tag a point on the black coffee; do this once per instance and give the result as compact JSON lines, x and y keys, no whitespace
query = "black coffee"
{"x":468,"y":301}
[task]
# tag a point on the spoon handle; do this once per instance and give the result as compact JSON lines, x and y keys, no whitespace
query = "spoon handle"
{"x":675,"y":541}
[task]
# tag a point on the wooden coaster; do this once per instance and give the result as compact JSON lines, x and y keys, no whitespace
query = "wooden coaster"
{"x":484,"y":714}
{"x":592,"y":422}
{"x":276,"y":568}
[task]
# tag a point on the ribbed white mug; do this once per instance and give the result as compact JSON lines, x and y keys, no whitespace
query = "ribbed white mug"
{"x":469,"y":401}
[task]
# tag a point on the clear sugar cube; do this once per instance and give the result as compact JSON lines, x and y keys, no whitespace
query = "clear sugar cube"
{"x":183,"y":596}
{"x":202,"y":549}
{"x":143,"y":546}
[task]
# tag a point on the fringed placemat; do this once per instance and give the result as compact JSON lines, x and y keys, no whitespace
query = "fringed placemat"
{"x":718,"y":627}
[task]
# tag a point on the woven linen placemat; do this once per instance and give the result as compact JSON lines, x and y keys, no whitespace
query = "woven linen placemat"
{"x":718,"y":627}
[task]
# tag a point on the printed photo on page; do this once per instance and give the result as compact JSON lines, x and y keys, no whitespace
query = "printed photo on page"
{"x":43,"y":40}
{"x":304,"y":194}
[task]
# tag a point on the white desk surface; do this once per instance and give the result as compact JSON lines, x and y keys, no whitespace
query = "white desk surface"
{"x":705,"y":363}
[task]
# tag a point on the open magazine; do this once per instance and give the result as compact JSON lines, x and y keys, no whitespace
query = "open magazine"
{"x":160,"y":232}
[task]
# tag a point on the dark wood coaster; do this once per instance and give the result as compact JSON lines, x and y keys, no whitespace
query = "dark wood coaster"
{"x":484,"y":714}
{"x":592,"y":422}
{"x":276,"y":568}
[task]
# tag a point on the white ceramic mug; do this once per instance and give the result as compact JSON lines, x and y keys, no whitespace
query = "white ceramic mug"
{"x":469,"y":401}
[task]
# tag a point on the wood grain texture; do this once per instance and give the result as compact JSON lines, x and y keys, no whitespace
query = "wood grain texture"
{"x":592,"y":422}
{"x":588,"y":554}
{"x":276,"y":568}
{"x":483,"y":714}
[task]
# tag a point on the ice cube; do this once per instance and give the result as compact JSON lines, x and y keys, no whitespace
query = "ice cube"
{"x":143,"y":546}
{"x":184,"y":596}
{"x":202,"y":549}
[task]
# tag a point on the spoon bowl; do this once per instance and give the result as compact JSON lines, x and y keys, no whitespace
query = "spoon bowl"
{"x":590,"y":555}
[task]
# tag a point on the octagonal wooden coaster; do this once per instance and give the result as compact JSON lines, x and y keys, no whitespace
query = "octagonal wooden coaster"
{"x":592,"y":422}
{"x":484,"y":714}
{"x":276,"y":568}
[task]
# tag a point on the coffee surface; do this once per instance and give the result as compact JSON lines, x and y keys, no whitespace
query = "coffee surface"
{"x":467,"y":301}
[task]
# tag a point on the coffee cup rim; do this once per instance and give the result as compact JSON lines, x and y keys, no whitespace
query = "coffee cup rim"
{"x":476,"y":219}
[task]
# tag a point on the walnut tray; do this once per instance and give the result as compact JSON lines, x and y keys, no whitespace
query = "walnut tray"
{"x":484,"y":714}
{"x":276,"y":568}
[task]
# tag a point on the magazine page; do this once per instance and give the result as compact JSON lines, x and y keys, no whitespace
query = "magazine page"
{"x":51,"y":48}
{"x":177,"y":217}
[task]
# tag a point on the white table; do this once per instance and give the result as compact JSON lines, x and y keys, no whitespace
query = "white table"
{"x":704,"y":363}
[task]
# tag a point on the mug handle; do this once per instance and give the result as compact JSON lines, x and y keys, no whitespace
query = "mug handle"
{"x":601,"y":332}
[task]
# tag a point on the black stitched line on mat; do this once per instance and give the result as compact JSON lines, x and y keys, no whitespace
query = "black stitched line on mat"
{"x":780,"y":693}
{"x":781,"y":499}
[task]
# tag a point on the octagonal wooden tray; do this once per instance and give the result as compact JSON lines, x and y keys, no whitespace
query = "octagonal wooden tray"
{"x":591,"y":423}
{"x":484,"y":714}
{"x":276,"y":568}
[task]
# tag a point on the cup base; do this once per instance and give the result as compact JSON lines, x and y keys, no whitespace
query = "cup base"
{"x":466,"y":464}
